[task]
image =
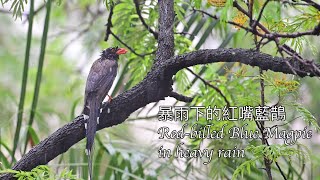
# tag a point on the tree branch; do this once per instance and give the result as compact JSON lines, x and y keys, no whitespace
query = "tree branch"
{"x":312,"y":3}
{"x":180,"y":97}
{"x":166,"y":34}
{"x":229,"y":22}
{"x":109,"y":24}
{"x":315,"y":31}
{"x":147,"y":91}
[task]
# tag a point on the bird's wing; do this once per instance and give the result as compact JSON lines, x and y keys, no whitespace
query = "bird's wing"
{"x":101,"y":77}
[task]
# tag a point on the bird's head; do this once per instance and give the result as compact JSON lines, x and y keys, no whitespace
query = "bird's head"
{"x":113,"y":53}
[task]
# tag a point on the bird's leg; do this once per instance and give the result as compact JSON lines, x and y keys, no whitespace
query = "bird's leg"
{"x":110,"y":99}
{"x":104,"y":104}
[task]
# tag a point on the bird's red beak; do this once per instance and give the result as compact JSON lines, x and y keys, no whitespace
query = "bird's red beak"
{"x":121,"y":51}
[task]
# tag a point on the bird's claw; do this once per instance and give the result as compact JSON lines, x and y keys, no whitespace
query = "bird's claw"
{"x":104,"y":105}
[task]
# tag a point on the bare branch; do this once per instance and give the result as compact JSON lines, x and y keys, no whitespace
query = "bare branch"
{"x":315,"y":31}
{"x":130,"y":48}
{"x":312,"y":3}
{"x":185,"y":33}
{"x":109,"y":23}
{"x":180,"y":97}
{"x":229,"y":22}
{"x":291,"y":3}
{"x":254,"y":26}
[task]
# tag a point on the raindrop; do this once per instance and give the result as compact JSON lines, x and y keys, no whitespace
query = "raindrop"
{"x":108,"y":110}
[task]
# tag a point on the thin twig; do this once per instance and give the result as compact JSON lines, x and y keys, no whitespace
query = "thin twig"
{"x":212,"y":86}
{"x":5,"y":11}
{"x":185,"y":33}
{"x":267,"y":162}
{"x":180,"y":97}
{"x":130,"y":48}
{"x":313,"y":32}
{"x":109,"y":23}
{"x":154,"y":33}
{"x":254,"y":26}
{"x":37,"y":11}
{"x":229,"y":22}
{"x":250,"y":9}
{"x":312,"y":3}
{"x":291,"y":3}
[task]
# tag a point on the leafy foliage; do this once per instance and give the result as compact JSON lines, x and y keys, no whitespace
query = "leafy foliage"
{"x":272,"y":152}
{"x":41,"y":172}
{"x":307,"y":116}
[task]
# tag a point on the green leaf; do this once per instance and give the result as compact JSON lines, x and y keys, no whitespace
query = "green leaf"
{"x":33,"y":135}
{"x":307,"y":116}
{"x":197,"y":4}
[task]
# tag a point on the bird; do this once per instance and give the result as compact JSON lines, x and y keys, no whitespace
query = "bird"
{"x":99,"y":81}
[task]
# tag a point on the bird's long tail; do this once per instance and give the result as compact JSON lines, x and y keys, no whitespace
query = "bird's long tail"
{"x":91,"y":130}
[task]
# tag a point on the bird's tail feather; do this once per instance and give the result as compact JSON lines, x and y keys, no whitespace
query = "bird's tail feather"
{"x":91,"y":131}
{"x":90,"y":155}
